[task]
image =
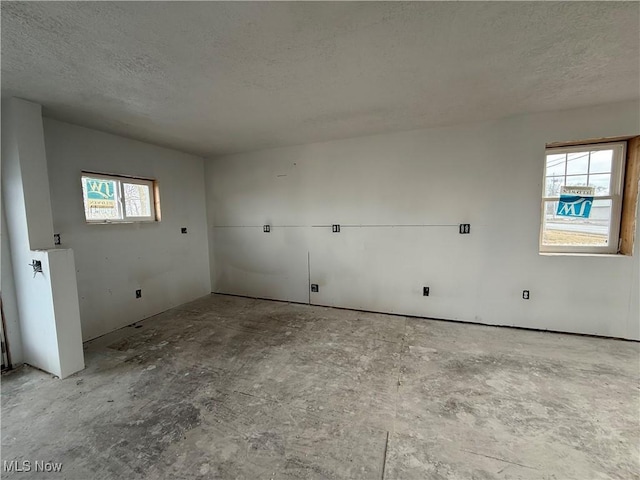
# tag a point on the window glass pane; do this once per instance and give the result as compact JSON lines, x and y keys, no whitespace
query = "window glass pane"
{"x":552,"y":186}
{"x":101,"y":199}
{"x":577,"y":163}
{"x":601,"y":161}
{"x":576,"y":180}
{"x":137,"y":200}
{"x":601,"y":182}
{"x":580,"y":232}
{"x":555,"y":164}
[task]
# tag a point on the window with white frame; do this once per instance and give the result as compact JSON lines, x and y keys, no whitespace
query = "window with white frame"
{"x":113,"y":198}
{"x":582,"y":198}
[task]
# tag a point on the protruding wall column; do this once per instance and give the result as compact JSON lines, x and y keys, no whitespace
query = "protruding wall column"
{"x":48,"y":300}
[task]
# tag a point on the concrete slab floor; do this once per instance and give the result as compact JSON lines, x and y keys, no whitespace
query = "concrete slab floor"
{"x":228,"y":387}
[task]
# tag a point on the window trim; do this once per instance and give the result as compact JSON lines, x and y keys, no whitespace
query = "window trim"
{"x":630,"y":197}
{"x":616,"y":195}
{"x":121,"y":179}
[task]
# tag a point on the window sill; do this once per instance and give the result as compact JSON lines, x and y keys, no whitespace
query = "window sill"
{"x":126,"y":222}
{"x":576,"y":254}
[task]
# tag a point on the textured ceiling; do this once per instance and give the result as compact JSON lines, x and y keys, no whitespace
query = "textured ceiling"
{"x":214,"y":78}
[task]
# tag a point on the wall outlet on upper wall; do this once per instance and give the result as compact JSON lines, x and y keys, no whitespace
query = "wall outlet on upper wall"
{"x":183,"y":230}
{"x":525,"y":294}
{"x":266,"y":228}
{"x":138,"y":293}
{"x":465,"y":228}
{"x":56,"y":239}
{"x":425,"y":291}
{"x":335,"y":228}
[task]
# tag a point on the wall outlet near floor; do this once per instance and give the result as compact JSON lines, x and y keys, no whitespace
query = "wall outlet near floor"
{"x":525,"y":294}
{"x":266,"y":228}
{"x":183,"y":230}
{"x":315,"y":288}
{"x":425,"y":291}
{"x":335,"y":228}
{"x":465,"y":228}
{"x":56,"y":239}
{"x":138,"y":293}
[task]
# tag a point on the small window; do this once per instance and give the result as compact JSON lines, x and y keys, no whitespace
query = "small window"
{"x":582,"y":198}
{"x":111,"y":198}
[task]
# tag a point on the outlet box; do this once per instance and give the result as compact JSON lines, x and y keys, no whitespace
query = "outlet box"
{"x":525,"y":294}
{"x":425,"y":291}
{"x":183,"y":230}
{"x":465,"y":228}
{"x":266,"y":228}
{"x":56,"y":239}
{"x":37,"y":266}
{"x":335,"y":228}
{"x":315,"y":288}
{"x":138,"y":293}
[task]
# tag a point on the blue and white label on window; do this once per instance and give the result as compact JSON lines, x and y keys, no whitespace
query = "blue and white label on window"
{"x":575,"y":202}
{"x":100,"y":193}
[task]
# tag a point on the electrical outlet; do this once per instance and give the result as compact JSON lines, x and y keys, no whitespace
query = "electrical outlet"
{"x":266,"y":228}
{"x":335,"y":228}
{"x":525,"y":294}
{"x":183,"y":230}
{"x":314,"y":288}
{"x":425,"y":291}
{"x":56,"y":239}
{"x":138,"y":293}
{"x":465,"y":228}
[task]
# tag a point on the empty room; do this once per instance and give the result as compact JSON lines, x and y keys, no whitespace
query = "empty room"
{"x":320,"y":240}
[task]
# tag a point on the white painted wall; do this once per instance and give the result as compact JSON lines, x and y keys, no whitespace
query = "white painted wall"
{"x":488,"y":174}
{"x":9,"y":299}
{"x":49,"y":323}
{"x":7,"y":287}
{"x":112,"y":261}
{"x":64,"y":292}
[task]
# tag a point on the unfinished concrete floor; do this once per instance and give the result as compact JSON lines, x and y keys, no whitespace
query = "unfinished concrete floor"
{"x":228,"y":387}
